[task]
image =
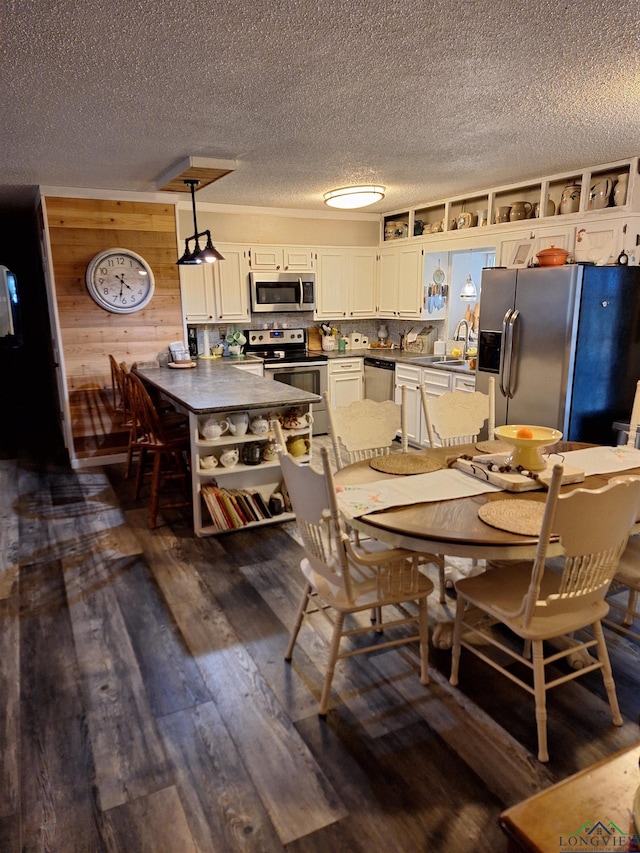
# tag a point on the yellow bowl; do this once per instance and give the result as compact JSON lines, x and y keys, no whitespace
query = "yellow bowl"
{"x":526,"y":451}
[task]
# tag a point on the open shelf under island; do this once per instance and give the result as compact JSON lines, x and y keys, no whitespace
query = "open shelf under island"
{"x":237,"y":494}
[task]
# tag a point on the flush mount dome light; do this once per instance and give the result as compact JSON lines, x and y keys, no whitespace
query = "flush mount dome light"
{"x":350,"y":197}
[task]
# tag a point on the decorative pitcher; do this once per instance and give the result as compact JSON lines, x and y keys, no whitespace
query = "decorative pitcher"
{"x":570,"y":199}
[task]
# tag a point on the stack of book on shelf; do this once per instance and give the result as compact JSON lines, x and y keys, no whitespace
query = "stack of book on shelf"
{"x":233,"y":508}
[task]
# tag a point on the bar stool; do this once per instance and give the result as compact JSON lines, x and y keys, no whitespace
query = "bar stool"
{"x":168,"y":447}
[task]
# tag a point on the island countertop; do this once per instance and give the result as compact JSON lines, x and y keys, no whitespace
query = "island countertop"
{"x":214,"y":386}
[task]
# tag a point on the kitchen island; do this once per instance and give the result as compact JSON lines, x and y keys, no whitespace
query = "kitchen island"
{"x":238,"y":494}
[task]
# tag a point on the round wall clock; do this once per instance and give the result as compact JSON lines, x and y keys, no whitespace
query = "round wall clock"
{"x":120,"y":281}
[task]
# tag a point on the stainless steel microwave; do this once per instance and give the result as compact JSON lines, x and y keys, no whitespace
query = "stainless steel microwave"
{"x":282,"y":291}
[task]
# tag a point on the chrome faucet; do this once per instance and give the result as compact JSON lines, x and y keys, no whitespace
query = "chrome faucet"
{"x":458,"y":331}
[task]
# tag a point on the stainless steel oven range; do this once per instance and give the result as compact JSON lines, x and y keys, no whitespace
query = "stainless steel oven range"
{"x":286,"y":359}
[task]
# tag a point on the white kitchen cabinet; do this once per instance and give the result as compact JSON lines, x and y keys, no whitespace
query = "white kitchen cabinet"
{"x":196,"y":289}
{"x":217,"y":292}
{"x":346,"y":285}
{"x":346,"y":381}
{"x":362,"y":283}
{"x":400,"y":286}
{"x":231,"y":284}
{"x":410,"y":376}
{"x":277,"y":258}
{"x":463,"y":383}
{"x":331,"y":292}
{"x":436,"y":382}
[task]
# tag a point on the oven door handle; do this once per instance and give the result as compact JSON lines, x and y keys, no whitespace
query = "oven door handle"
{"x":277,"y":366}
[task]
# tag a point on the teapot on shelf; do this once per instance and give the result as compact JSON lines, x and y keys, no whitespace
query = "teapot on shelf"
{"x":212,"y":428}
{"x":229,"y":458}
{"x":259,"y":426}
{"x":298,"y":446}
{"x":295,"y":419}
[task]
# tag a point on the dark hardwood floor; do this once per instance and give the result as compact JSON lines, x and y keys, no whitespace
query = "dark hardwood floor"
{"x":146,"y":705}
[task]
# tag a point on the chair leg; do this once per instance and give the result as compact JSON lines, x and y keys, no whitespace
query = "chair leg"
{"x":331,"y":663}
{"x":539,"y":689}
{"x":302,"y":608}
{"x":140,"y":472}
{"x":632,"y":604}
{"x":443,"y":597}
{"x":607,"y":674}
{"x":424,"y":641}
{"x":376,"y":619}
{"x":457,"y":636}
{"x":155,"y":489}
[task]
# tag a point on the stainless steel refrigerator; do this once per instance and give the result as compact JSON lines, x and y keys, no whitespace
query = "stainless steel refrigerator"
{"x":564,"y":346}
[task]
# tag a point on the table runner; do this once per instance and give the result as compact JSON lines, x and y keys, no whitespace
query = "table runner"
{"x":451,"y":483}
{"x":600,"y":460}
{"x":443,"y":485}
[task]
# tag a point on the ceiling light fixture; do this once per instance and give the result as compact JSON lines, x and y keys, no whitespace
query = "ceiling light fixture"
{"x":350,"y":197}
{"x":207,"y":255}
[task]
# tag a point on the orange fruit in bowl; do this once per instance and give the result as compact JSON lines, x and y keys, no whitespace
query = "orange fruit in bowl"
{"x":524,"y":432}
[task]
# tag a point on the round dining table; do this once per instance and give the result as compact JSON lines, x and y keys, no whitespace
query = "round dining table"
{"x":452,"y":527}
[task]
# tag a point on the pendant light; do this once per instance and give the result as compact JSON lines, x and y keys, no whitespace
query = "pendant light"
{"x":348,"y":198}
{"x":207,"y":255}
{"x":469,"y":292}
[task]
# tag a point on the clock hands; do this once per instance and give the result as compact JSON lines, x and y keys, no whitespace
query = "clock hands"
{"x":123,"y":282}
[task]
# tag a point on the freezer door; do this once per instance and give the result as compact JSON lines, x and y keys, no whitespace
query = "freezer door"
{"x":543,"y":345}
{"x":497,"y":301}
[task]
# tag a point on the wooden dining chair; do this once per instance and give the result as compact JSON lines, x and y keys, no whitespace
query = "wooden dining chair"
{"x":365,"y":429}
{"x":623,"y":592}
{"x":118,"y":370}
{"x":456,"y":417}
{"x":539,"y":604}
{"x":342,"y":581}
{"x":167,"y":448}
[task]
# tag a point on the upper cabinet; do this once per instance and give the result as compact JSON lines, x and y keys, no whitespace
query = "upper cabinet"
{"x":400,"y":282}
{"x":601,"y":190}
{"x":217,"y":292}
{"x":281,"y":258}
{"x":346,"y":283}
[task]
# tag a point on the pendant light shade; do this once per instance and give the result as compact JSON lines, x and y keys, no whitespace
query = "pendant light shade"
{"x":469,"y":291}
{"x":348,"y":198}
{"x":209,"y":254}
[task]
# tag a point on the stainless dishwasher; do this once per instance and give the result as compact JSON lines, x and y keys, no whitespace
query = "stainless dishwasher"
{"x":379,"y":379}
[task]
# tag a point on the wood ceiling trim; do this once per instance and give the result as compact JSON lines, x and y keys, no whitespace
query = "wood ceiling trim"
{"x":201,"y":169}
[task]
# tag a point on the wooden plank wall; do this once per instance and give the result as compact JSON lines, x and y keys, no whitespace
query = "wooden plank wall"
{"x":78,"y":229}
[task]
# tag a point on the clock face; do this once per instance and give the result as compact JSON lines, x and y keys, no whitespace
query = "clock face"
{"x":120,"y":281}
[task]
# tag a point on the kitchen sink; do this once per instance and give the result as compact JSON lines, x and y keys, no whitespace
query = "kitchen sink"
{"x":433,"y":360}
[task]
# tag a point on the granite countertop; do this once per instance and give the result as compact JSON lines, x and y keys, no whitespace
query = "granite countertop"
{"x":217,"y":386}
{"x":398,"y":356}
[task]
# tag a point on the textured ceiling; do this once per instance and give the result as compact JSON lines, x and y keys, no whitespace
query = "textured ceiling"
{"x":430,"y":99}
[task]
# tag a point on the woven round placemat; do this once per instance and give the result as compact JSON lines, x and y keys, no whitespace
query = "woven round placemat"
{"x":405,"y":463}
{"x":493,"y":446}
{"x":514,"y":516}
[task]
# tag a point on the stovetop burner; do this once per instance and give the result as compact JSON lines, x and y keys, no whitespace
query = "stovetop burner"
{"x":280,"y":345}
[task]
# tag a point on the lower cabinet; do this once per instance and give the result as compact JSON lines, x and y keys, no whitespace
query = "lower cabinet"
{"x":346,"y":381}
{"x":436,"y":382}
{"x":236,"y":476}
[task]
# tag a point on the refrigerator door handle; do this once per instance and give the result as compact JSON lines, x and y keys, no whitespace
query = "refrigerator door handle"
{"x":503,"y":348}
{"x":510,"y":380}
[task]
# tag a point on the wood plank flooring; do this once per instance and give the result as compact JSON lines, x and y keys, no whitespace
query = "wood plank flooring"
{"x":146,"y":705}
